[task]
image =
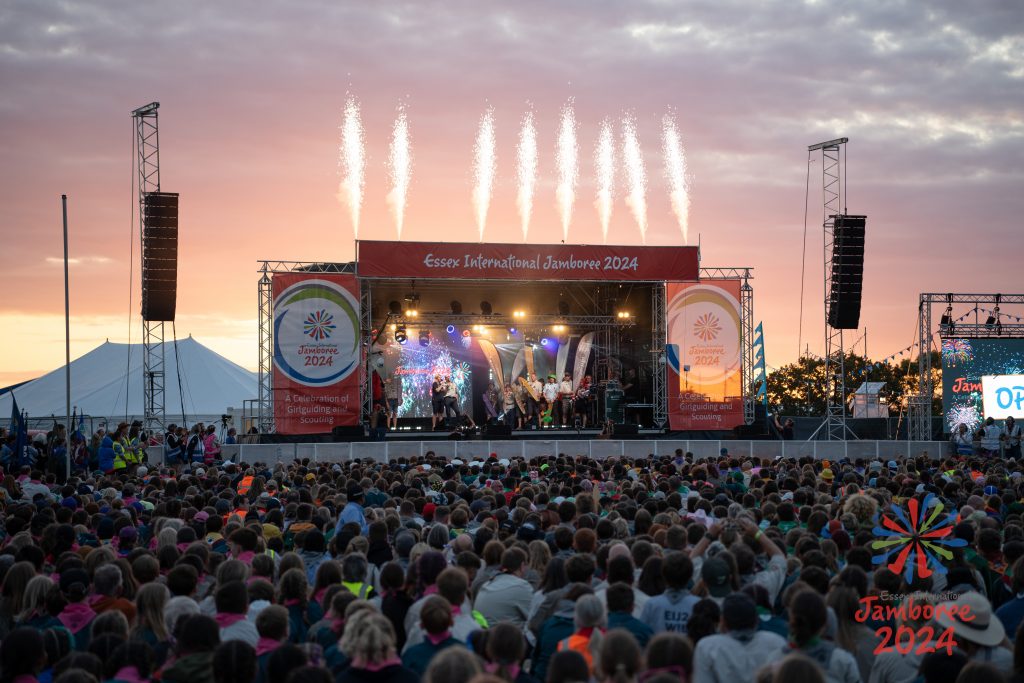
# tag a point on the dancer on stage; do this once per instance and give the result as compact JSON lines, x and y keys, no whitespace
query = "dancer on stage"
{"x":437,"y":392}
{"x":451,"y":403}
{"x":393,"y":394}
{"x":550,"y":395}
{"x":565,"y":399}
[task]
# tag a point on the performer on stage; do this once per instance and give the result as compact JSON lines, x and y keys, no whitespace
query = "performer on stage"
{"x":393,"y":393}
{"x":437,"y":392}
{"x":536,"y":395}
{"x":565,"y":398}
{"x":550,"y":395}
{"x":492,"y":401}
{"x":581,"y":402}
{"x":508,"y":407}
{"x":451,"y":403}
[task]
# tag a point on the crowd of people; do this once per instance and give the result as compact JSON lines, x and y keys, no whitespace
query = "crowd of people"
{"x":562,"y":569}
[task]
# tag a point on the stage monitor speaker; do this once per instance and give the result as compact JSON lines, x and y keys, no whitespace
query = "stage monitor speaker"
{"x":159,"y":255}
{"x":347,"y":432}
{"x":497,"y":430}
{"x":624,"y":429}
{"x":847,"y":277}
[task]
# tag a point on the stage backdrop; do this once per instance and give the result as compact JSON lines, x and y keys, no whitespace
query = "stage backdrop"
{"x":525,"y":261}
{"x":316,"y":352}
{"x":964,"y":363}
{"x":703,"y":355}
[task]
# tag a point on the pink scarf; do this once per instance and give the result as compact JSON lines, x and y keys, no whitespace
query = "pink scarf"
{"x":225,"y":619}
{"x":319,"y":596}
{"x":265,"y":645}
{"x":129,"y":674}
{"x":438,"y":638}
{"x":76,"y":616}
{"x":513,"y":669}
{"x":393,"y":660}
{"x":246,"y":557}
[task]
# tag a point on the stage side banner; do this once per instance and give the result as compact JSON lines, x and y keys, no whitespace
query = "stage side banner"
{"x":703,"y":355}
{"x":316,"y":352}
{"x":524,"y":261}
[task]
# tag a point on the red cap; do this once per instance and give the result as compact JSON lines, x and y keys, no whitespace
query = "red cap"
{"x":428,"y":511}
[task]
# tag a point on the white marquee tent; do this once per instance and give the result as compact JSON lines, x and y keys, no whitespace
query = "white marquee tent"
{"x":210,"y":384}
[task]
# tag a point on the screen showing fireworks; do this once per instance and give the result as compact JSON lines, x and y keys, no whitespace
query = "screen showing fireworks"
{"x":415,"y":365}
{"x":964,"y":362}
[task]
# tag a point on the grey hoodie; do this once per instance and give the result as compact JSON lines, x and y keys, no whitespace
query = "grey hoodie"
{"x":669,"y":611}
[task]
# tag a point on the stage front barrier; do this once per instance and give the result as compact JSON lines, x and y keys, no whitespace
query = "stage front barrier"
{"x":468,"y":451}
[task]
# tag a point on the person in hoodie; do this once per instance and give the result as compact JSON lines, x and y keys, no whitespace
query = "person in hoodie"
{"x":131,"y":662}
{"x":272,"y":625}
{"x":232,"y":601}
{"x":77,"y":616}
{"x":557,"y":628}
{"x":313,"y":553}
{"x":452,"y":585}
{"x":740,"y":650}
{"x":196,"y":636}
{"x":293,"y":593}
{"x":671,"y":610}
{"x":619,"y":600}
{"x":436,"y":621}
{"x":506,"y":597}
{"x":106,"y":454}
{"x":353,"y":510}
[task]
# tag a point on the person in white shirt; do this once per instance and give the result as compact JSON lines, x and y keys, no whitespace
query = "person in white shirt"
{"x":550,"y":393}
{"x":740,"y":650}
{"x":565,"y":398}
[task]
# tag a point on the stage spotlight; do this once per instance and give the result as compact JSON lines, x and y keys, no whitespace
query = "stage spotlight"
{"x":424,"y":338}
{"x":993,"y":318}
{"x":485,"y":307}
{"x":511,"y":330}
{"x":558,"y":328}
{"x":623,"y":315}
{"x":395,"y":307}
{"x":394,"y":327}
{"x":450,"y":329}
{"x":400,"y":336}
{"x":456,"y":307}
{"x":518,"y":314}
{"x":545,"y":342}
{"x":563,"y":308}
{"x":412,"y":313}
{"x":466,"y":333}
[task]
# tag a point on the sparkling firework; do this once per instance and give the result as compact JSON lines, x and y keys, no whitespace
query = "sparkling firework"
{"x":604,"y":163}
{"x":399,"y":168}
{"x":960,"y":414}
{"x":567,"y":161}
{"x":484,"y":169}
{"x":957,"y":351}
{"x":526,"y":172}
{"x":353,"y":160}
{"x":675,"y":173}
{"x":636,"y":174}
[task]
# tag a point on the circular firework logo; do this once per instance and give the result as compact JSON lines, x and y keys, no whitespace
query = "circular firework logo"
{"x":316,"y":340}
{"x":913,"y":539}
{"x":703,"y":324}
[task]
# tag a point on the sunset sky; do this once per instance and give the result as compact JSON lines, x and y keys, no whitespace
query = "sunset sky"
{"x":931,"y":95}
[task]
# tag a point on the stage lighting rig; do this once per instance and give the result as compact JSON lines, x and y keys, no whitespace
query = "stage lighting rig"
{"x":623,"y":315}
{"x":400,"y":335}
{"x":424,"y":338}
{"x":518,"y":315}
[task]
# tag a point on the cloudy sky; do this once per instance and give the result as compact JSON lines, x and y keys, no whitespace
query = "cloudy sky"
{"x":929,"y":93}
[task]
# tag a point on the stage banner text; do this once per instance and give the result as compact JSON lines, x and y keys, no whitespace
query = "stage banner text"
{"x":703,"y":355}
{"x":316,"y":352}
{"x":524,"y":261}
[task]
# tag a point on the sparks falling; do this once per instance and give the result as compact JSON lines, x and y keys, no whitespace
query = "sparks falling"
{"x":636,"y":175}
{"x":484,"y":169}
{"x":604,"y":163}
{"x":399,"y":168}
{"x":675,"y":173}
{"x":567,"y":162}
{"x":526,"y":160}
{"x":353,"y":161}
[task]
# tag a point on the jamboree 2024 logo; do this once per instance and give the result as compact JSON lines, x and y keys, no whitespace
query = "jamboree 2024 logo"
{"x":316,"y":340}
{"x":915,"y":540}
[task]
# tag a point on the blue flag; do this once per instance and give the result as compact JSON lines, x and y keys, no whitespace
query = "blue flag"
{"x":20,"y":431}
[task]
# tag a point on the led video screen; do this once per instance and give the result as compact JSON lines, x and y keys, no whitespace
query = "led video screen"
{"x":964,"y":363}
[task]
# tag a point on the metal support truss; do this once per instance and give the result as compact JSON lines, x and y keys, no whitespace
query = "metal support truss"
{"x":919,"y":407}
{"x":745,"y":275}
{"x":153,"y":362}
{"x":658,"y":341}
{"x":833,"y":426}
{"x":267,"y":270}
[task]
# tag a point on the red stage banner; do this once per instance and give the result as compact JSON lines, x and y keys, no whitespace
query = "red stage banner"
{"x":703,"y":355}
{"x":524,"y":261}
{"x":316,"y":352}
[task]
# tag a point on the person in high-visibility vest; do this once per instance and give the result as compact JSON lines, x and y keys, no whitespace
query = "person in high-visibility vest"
{"x":120,"y":457}
{"x":591,"y":620}
{"x":246,"y":483}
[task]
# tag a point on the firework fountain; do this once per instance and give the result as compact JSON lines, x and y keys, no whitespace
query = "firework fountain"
{"x":567,"y":163}
{"x":484,"y":169}
{"x":353,"y":161}
{"x":636,"y":174}
{"x":675,"y":173}
{"x":399,"y":168}
{"x":526,"y":170}
{"x":604,"y":163}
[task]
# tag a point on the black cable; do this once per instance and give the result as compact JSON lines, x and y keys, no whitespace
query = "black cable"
{"x":177,"y":367}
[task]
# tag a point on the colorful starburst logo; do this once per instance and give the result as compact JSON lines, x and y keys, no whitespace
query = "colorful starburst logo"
{"x":319,"y":325}
{"x":957,"y":352}
{"x":913,"y":539}
{"x":707,"y":327}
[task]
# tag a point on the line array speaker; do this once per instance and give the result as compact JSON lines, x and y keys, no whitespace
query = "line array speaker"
{"x":847,"y":278}
{"x":159,"y":255}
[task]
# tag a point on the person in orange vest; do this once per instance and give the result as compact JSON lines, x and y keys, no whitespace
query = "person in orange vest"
{"x":246,"y":483}
{"x":591,"y":621}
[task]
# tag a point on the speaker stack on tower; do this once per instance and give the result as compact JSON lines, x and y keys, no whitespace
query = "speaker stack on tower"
{"x":847,"y":280}
{"x":159,"y":255}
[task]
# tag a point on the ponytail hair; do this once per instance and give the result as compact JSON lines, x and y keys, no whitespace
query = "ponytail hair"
{"x":619,"y":659}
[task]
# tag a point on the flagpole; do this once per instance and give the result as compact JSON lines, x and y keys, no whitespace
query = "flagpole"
{"x":67,"y":342}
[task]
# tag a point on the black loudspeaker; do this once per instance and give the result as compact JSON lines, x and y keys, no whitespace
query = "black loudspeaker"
{"x":159,"y":255}
{"x":347,"y":433}
{"x":625,"y":430}
{"x":847,"y":280}
{"x":497,"y":430}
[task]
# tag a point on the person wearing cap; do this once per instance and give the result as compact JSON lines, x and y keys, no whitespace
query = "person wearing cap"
{"x":977,"y":631}
{"x":353,"y":510}
{"x":739,"y":650}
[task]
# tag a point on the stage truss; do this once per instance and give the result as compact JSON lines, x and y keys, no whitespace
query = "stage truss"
{"x":919,"y":406}
{"x":607,"y":325}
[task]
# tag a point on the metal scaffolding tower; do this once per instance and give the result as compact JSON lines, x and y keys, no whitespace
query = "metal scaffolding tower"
{"x":147,"y":139}
{"x":833,"y":175}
